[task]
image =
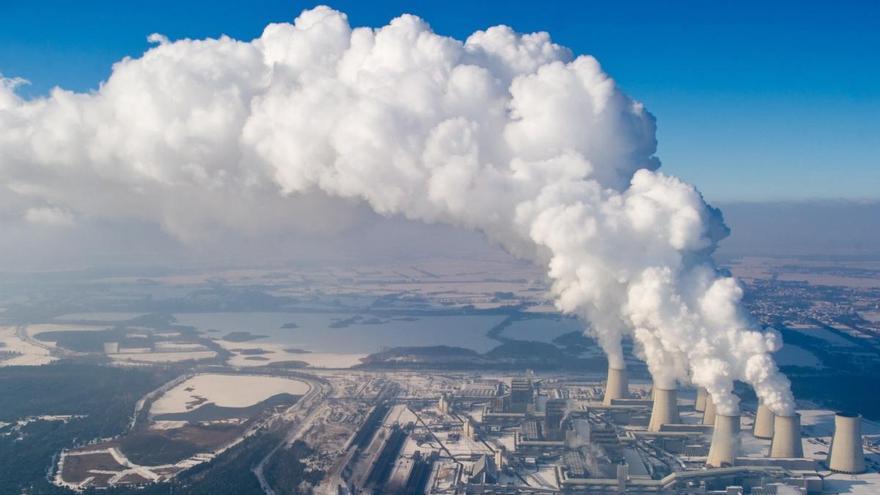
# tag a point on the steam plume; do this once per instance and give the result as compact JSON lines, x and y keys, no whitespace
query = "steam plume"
{"x":504,"y":133}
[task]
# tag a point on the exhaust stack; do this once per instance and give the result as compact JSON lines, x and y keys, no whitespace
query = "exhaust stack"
{"x":725,"y":441}
{"x":709,"y":412}
{"x":846,"y":454}
{"x":700,"y":405}
{"x":786,"y":441}
{"x":763,"y":423}
{"x":665,"y":410}
{"x":617,"y":386}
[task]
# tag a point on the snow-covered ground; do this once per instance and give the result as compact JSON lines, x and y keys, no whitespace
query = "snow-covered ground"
{"x":161,"y":357}
{"x":28,"y":354}
{"x":225,"y":391}
{"x":276,"y":353}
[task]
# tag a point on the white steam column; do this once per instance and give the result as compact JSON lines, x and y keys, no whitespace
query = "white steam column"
{"x":763,"y":427}
{"x":700,"y":404}
{"x":665,"y":410}
{"x":786,"y":441}
{"x":725,"y":441}
{"x":846,"y":454}
{"x":617,"y":386}
{"x":709,"y":412}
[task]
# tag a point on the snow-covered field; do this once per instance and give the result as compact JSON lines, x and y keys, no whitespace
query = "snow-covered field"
{"x":225,"y":391}
{"x":275,"y":353}
{"x":29,"y":354}
{"x":161,"y":357}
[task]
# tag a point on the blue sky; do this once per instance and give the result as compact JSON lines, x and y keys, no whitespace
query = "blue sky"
{"x":755,"y":100}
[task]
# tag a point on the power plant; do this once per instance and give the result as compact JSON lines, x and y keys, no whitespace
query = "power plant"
{"x":763,"y":427}
{"x":709,"y":412}
{"x":665,"y":409}
{"x":846,"y":454}
{"x":700,"y":404}
{"x":786,"y":441}
{"x":564,"y":435}
{"x":617,"y":385}
{"x":725,"y":441}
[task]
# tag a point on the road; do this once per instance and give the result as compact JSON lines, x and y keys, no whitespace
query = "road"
{"x":306,"y":409}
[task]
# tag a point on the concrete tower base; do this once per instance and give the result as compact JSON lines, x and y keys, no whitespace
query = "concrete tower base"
{"x":725,"y":441}
{"x":846,"y":454}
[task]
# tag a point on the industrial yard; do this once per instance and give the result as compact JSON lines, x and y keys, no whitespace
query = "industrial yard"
{"x":491,"y":433}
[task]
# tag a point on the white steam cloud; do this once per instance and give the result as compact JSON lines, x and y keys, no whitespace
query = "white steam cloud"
{"x":504,"y":133}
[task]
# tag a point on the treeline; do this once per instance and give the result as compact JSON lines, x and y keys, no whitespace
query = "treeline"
{"x":104,"y":396}
{"x":231,"y":472}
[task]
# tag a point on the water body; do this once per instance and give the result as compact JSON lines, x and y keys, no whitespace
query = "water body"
{"x":340,"y":333}
{"x":542,"y":329}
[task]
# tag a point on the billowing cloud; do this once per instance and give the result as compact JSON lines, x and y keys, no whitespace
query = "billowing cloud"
{"x":506,"y":134}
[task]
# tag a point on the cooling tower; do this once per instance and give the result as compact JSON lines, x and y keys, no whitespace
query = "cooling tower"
{"x":709,"y":412}
{"x":725,"y":441}
{"x":763,"y":423}
{"x":846,"y":455}
{"x":665,"y":410}
{"x":700,"y":405}
{"x":617,"y":386}
{"x":787,"y":437}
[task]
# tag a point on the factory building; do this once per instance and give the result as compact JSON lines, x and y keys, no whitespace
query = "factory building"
{"x":521,"y":394}
{"x":565,"y":438}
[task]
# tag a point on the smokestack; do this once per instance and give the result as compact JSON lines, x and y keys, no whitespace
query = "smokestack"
{"x":763,"y":427}
{"x":787,"y":437}
{"x":725,"y":441}
{"x":846,"y":455}
{"x":665,"y":410}
{"x":617,"y":386}
{"x":700,"y":405}
{"x":709,"y":412}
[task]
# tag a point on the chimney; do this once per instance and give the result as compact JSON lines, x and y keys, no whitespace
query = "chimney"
{"x":665,"y":410}
{"x":709,"y":412}
{"x":725,"y":441}
{"x":763,"y":423}
{"x":700,"y":405}
{"x":786,"y":441}
{"x":846,"y":454}
{"x":617,"y":386}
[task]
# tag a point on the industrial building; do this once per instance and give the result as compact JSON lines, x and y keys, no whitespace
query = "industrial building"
{"x":556,"y":435}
